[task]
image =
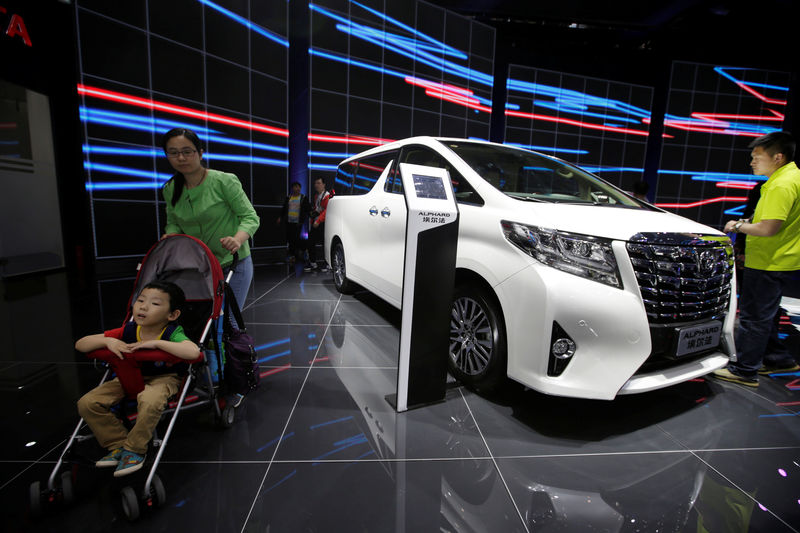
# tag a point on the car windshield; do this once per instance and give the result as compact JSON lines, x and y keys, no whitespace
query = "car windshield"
{"x":529,"y":176}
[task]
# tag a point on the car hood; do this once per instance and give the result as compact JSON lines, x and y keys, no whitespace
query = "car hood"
{"x":617,"y":223}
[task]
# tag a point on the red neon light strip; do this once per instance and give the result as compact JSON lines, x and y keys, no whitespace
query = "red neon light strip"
{"x":177,"y":110}
{"x":274,"y":370}
{"x":736,"y":184}
{"x":760,"y":96}
{"x":784,"y":404}
{"x":681,"y":125}
{"x":213,"y":117}
{"x":705,"y":202}
{"x":578,"y":123}
{"x":716,"y":117}
{"x":318,"y":360}
{"x":372,"y":141}
{"x":8,"y":125}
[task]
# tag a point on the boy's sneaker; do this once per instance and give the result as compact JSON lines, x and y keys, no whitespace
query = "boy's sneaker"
{"x":307,"y":268}
{"x":726,"y":375}
{"x":236,"y":399}
{"x":324,"y":268}
{"x":111,"y":459}
{"x":129,"y":463}
{"x":769,"y":370}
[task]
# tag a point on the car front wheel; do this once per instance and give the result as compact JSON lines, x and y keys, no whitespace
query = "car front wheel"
{"x":339,"y":268}
{"x":477,"y":339}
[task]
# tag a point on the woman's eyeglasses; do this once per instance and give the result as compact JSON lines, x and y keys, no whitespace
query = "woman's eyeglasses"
{"x":188,"y":152}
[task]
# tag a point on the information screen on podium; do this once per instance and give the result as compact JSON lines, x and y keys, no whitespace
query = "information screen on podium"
{"x":428,"y":276}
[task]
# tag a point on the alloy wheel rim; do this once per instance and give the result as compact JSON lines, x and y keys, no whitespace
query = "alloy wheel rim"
{"x":338,"y":266}
{"x":471,"y":339}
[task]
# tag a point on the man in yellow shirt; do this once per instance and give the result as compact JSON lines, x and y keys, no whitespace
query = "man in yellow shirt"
{"x":772,"y":257}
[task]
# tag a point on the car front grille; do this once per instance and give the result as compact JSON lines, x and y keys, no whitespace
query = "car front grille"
{"x":682,"y":277}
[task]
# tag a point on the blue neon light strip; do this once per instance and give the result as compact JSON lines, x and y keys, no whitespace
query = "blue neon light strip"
{"x":549,"y":149}
{"x":275,"y":356}
{"x":411,"y":49}
{"x":121,"y":185}
{"x":151,"y":123}
{"x":137,"y":122}
{"x":246,"y":23}
{"x":275,"y":441}
{"x":330,"y":422}
{"x":335,"y":155}
{"x":736,"y":211}
{"x":113,"y":169}
{"x":567,"y":107}
{"x":320,"y":166}
{"x":721,"y":71}
{"x":596,"y":170}
{"x":569,"y":101}
{"x":440,"y":46}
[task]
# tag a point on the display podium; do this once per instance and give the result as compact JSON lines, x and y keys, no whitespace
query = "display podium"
{"x":428,"y":278}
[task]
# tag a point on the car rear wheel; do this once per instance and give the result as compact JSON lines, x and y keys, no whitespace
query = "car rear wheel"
{"x":477,"y":339}
{"x":339,"y":268}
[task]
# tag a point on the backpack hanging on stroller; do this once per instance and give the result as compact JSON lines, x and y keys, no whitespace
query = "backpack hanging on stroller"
{"x":187,"y":262}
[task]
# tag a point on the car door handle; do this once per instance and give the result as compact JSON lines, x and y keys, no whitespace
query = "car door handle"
{"x":385,"y":212}
{"x":373,"y":211}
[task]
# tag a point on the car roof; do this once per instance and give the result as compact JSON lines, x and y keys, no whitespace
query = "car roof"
{"x":427,"y":140}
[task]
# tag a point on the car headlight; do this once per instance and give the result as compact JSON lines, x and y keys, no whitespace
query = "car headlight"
{"x":583,"y":255}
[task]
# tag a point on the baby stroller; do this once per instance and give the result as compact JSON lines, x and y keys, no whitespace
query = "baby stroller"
{"x":187,"y":262}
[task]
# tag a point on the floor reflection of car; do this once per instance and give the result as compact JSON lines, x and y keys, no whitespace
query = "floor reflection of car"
{"x":564,"y":283}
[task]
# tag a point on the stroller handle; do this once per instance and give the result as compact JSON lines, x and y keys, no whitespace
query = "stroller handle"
{"x":232,"y":268}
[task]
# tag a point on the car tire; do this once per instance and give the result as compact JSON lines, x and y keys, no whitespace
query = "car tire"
{"x":477,"y":339}
{"x":339,"y":269}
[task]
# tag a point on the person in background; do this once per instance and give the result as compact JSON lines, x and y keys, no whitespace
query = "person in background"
{"x":773,"y":256}
{"x":296,"y":209}
{"x":640,"y":189}
{"x":316,"y":230}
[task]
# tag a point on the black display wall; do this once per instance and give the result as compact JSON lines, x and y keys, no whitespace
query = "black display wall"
{"x":387,"y":70}
{"x":37,"y":53}
{"x":219,"y":68}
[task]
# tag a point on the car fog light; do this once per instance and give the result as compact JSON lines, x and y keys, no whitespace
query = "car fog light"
{"x":563,"y":348}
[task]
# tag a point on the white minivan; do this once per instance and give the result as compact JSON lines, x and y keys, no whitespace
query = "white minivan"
{"x":564,"y":282}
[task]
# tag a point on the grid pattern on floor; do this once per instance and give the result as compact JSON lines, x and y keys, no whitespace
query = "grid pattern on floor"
{"x":318,"y":448}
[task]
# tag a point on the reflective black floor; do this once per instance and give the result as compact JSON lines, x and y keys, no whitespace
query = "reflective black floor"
{"x":318,"y":448}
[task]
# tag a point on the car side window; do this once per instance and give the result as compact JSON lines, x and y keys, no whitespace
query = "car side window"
{"x":369,"y":171}
{"x":394,"y":184}
{"x":422,"y":155}
{"x":343,"y":184}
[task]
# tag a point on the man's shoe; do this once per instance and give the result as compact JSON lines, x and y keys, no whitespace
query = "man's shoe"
{"x":726,"y":375}
{"x":307,"y":268}
{"x":111,"y":459}
{"x":129,"y":463}
{"x":769,"y":370}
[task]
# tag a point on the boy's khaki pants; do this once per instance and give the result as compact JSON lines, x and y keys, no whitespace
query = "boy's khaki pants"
{"x":95,"y":408}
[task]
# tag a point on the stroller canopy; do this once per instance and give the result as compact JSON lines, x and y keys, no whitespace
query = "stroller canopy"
{"x":187,"y":262}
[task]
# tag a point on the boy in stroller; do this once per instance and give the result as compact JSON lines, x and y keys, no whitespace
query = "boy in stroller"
{"x":153,"y":327}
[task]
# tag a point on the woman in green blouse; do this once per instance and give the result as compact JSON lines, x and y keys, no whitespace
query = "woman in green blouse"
{"x":210,"y":205}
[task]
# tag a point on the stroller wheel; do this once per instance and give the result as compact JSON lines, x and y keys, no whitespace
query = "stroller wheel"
{"x":35,"y":494}
{"x":67,"y":489}
{"x":228,"y":415}
{"x":130,"y":503}
{"x":157,"y":491}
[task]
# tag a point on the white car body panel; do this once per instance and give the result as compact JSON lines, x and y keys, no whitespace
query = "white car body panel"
{"x":608,"y":324}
